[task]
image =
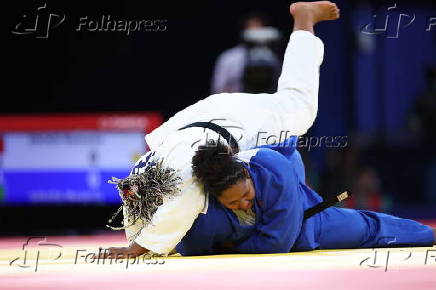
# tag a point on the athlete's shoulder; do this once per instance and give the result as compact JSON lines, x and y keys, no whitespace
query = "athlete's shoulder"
{"x":270,"y":156}
{"x":247,"y":155}
{"x":264,"y":157}
{"x":146,"y":160}
{"x":287,"y":147}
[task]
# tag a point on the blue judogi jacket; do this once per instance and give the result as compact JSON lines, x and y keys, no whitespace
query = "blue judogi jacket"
{"x":281,"y":198}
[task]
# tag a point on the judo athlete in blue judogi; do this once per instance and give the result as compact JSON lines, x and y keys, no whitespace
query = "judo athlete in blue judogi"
{"x":257,"y":200}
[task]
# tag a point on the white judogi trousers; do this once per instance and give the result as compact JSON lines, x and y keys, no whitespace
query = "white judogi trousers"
{"x":253,"y":119}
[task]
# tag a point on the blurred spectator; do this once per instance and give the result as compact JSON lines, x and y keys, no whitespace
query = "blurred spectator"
{"x":341,"y":170}
{"x":252,"y":66}
{"x":422,"y":123}
{"x":344,"y":171}
{"x":312,"y":174}
{"x":367,"y":192}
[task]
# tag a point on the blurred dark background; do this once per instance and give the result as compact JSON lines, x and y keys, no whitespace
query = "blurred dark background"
{"x":377,"y":87}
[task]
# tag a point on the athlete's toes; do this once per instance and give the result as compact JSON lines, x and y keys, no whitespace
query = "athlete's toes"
{"x":334,"y":12}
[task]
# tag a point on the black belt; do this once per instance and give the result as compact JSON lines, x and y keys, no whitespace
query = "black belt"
{"x":234,"y":145}
{"x":219,"y":130}
{"x":325,"y":204}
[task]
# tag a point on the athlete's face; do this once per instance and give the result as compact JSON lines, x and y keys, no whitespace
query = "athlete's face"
{"x":239,"y":196}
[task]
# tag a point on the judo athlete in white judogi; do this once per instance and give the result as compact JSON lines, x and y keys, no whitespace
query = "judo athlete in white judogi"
{"x":159,"y":212}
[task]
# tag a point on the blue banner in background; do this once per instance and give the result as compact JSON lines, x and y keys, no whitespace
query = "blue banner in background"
{"x":66,"y":167}
{"x":60,"y":187}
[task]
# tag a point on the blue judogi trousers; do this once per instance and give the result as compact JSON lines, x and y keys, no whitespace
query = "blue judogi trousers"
{"x":281,"y":199}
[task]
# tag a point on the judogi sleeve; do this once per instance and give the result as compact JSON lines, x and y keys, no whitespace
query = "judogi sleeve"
{"x":170,"y":223}
{"x":291,"y":109}
{"x":298,"y":84}
{"x":173,"y":219}
{"x":282,"y":210}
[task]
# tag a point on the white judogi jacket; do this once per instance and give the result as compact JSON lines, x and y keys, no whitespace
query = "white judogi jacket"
{"x":250,"y":118}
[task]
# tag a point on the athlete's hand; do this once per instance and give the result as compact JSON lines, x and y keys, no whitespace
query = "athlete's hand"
{"x":132,"y":251}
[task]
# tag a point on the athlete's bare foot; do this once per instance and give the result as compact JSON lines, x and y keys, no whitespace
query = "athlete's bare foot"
{"x":307,"y":14}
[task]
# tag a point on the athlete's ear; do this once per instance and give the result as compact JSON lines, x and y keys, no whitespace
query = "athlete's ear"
{"x":246,"y":173}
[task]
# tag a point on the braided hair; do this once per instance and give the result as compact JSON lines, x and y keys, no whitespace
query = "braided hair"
{"x":216,"y":167}
{"x":142,"y":194}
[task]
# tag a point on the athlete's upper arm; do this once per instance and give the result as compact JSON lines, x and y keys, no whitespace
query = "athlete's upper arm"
{"x":172,"y":220}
